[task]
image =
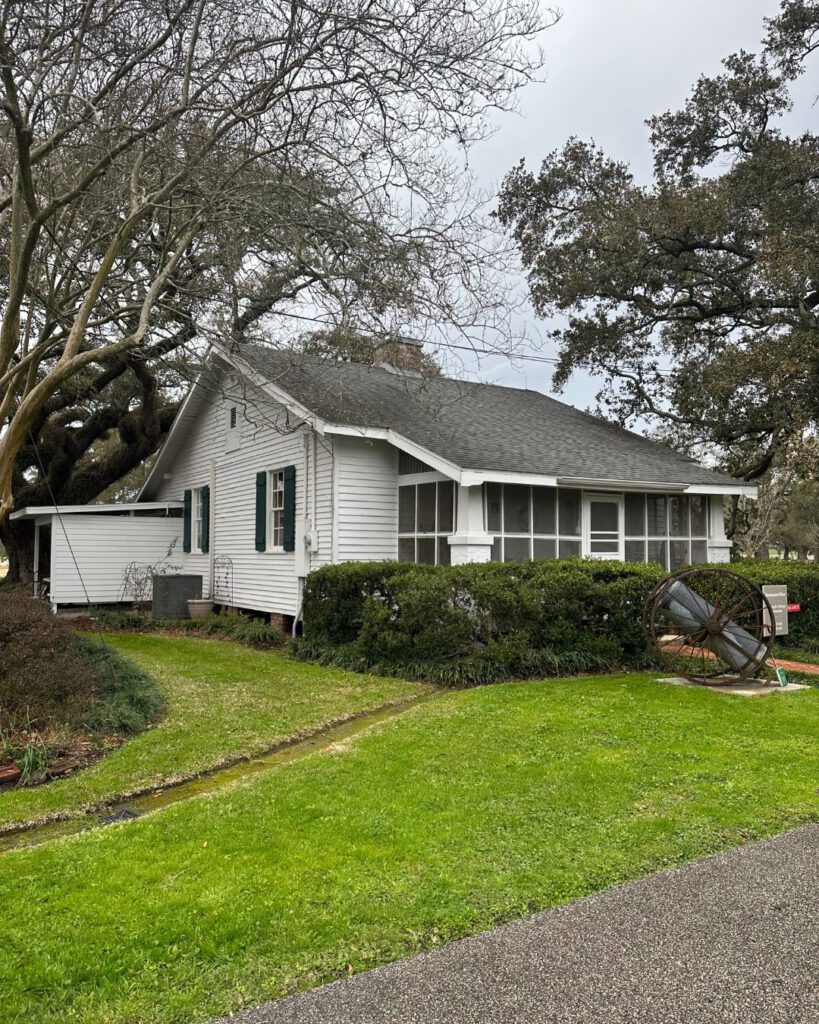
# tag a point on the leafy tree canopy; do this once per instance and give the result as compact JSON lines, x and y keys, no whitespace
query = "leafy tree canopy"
{"x":696,"y":296}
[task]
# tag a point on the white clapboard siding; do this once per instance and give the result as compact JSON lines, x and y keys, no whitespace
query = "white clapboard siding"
{"x":270,"y":440}
{"x":366,"y":502}
{"x":89,"y":553}
{"x":352,"y":516}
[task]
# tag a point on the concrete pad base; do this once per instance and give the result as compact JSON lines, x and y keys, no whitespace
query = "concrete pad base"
{"x":745,"y":688}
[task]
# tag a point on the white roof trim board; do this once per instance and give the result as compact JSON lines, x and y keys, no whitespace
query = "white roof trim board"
{"x":30,"y":511}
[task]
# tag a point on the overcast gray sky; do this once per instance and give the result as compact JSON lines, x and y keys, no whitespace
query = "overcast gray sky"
{"x":610,"y":64}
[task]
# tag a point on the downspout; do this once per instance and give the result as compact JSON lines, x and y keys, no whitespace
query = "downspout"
{"x":36,"y":573}
{"x":212,"y":537}
{"x":313,"y":529}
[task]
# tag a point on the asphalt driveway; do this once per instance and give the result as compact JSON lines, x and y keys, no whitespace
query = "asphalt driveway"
{"x":734,"y":938}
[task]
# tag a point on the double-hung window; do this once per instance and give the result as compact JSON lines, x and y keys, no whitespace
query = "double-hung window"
{"x":199,"y":519}
{"x":275,"y":530}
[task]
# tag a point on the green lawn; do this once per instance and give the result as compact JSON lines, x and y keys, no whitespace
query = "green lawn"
{"x":471,"y":809}
{"x":223,"y":701}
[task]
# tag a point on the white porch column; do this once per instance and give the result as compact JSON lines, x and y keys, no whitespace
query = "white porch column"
{"x":36,"y":567}
{"x":471,"y":543}
{"x":719,"y":547}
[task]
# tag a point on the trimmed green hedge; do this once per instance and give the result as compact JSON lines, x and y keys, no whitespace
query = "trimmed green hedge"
{"x":471,"y":624}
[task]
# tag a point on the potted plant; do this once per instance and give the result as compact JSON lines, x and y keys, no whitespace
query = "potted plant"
{"x":200,"y":607}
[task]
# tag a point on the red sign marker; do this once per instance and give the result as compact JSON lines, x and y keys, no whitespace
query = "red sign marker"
{"x":794,"y":607}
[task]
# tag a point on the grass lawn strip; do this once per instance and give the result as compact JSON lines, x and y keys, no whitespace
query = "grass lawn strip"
{"x":472,"y":809}
{"x":224,"y":702}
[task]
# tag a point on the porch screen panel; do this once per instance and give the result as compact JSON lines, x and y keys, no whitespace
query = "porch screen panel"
{"x":669,"y":529}
{"x":426,"y":518}
{"x":532,"y":522}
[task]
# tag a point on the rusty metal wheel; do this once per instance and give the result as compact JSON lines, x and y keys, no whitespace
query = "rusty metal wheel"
{"x":709,"y":625}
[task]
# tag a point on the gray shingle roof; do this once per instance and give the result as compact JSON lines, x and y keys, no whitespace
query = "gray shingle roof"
{"x":482,"y":427}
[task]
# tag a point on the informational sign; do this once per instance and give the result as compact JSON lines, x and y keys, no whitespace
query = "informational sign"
{"x":778,"y":597}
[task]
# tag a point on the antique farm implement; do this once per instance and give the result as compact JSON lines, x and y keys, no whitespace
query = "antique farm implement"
{"x":710,"y":626}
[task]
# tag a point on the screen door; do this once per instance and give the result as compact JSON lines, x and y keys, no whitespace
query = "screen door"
{"x":603,"y":526}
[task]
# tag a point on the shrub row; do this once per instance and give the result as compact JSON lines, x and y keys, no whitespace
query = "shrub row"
{"x":481,"y":623}
{"x":472,"y":624}
{"x":255,"y":632}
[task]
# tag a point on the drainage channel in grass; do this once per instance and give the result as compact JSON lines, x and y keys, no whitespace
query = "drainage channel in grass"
{"x":211,"y":782}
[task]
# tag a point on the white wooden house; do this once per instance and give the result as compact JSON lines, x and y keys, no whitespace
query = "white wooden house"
{"x":280,"y":463}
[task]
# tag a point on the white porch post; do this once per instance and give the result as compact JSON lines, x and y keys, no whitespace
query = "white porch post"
{"x":36,"y":568}
{"x":719,"y":547}
{"x":471,"y":543}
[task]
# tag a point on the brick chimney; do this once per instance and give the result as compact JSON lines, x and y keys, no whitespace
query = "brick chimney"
{"x":401,"y":356}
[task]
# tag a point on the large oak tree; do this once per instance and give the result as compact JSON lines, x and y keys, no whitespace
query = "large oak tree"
{"x":695,"y":296}
{"x":177,"y":170}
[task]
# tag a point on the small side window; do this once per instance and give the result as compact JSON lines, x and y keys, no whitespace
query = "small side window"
{"x":233,"y":418}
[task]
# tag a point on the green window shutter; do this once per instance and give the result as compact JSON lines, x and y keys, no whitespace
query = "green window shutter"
{"x":289,"y":543}
{"x":261,"y":511}
{"x":186,"y":521}
{"x":206,"y":518}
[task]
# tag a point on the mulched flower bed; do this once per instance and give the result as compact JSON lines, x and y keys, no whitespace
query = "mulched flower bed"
{"x":56,"y":757}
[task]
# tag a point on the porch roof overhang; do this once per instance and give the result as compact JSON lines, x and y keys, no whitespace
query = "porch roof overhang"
{"x":474,"y":478}
{"x":112,"y":508}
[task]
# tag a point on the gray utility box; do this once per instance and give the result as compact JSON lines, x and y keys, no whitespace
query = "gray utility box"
{"x":171,"y":596}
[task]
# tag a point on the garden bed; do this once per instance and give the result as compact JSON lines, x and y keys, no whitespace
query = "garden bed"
{"x":252,"y":630}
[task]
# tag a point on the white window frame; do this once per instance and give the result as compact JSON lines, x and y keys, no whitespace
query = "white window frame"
{"x":274,"y":525}
{"x":584,"y":538}
{"x":197,"y":521}
{"x":689,"y":538}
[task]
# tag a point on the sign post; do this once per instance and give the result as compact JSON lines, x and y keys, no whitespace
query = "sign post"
{"x":778,"y":598}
